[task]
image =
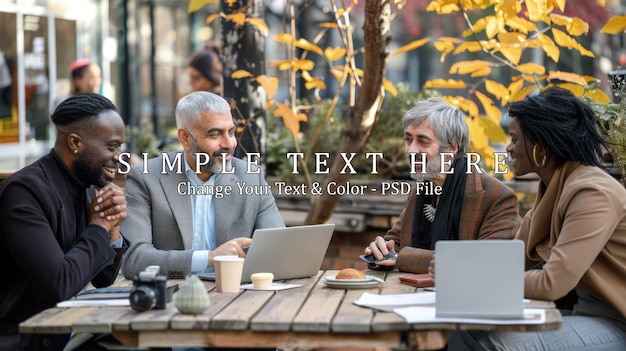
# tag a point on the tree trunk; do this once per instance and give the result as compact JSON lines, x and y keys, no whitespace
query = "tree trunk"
{"x":361,"y":117}
{"x":243,"y":47}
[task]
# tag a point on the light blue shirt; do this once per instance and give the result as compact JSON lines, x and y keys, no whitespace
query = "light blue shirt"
{"x":118,"y":243}
{"x":203,"y":214}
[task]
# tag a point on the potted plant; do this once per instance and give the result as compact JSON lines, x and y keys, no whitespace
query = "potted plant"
{"x":612,"y":121}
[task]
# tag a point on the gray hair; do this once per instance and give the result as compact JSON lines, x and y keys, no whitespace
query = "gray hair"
{"x":191,"y":105}
{"x":447,"y":121}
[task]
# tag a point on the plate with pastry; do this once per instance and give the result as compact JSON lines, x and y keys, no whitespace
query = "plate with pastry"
{"x":350,"y":278}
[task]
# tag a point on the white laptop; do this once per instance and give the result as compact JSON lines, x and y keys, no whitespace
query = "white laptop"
{"x":287,"y":252}
{"x":479,"y":279}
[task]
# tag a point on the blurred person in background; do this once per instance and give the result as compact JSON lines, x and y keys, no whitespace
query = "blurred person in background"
{"x":86,"y":77}
{"x":205,"y":71}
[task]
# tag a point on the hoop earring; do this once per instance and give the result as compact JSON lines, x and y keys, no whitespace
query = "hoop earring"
{"x":543,"y":160}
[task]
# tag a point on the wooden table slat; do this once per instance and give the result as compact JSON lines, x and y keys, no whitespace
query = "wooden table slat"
{"x":351,"y":318}
{"x":278,"y":314}
{"x":58,"y":323}
{"x":319,"y":309}
{"x":283,"y":340}
{"x":236,"y":316}
{"x":203,"y":321}
{"x":190,"y":322}
{"x":36,"y":323}
{"x":99,"y":321}
{"x":425,"y":340}
{"x":389,"y":321}
{"x":154,"y":319}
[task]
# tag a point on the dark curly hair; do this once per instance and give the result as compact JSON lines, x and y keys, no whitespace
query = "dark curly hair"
{"x":204,"y":60}
{"x":562,"y":124}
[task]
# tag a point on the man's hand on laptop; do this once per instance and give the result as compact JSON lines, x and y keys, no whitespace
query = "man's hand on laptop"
{"x":234,"y":247}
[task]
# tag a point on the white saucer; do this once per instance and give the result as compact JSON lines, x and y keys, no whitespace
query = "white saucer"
{"x":369,"y":282}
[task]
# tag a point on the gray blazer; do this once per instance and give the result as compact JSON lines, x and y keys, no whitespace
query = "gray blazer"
{"x":159,"y":225}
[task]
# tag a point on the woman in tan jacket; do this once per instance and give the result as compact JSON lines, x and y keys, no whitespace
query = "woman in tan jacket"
{"x":576,"y":228}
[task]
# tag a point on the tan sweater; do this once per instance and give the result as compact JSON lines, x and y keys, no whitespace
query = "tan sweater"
{"x":578,"y":227}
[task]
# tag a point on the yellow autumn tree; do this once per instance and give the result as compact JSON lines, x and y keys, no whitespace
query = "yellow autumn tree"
{"x":365,"y":85}
{"x":498,"y":38}
{"x":503,"y":33}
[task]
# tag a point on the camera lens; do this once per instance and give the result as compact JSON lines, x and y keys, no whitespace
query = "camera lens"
{"x":142,"y":298}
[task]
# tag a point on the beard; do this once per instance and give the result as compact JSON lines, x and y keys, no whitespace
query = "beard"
{"x":433,"y":168}
{"x":212,"y":166}
{"x":89,"y":171}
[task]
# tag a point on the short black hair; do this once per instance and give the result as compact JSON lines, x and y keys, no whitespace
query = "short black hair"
{"x":80,"y":107}
{"x":562,"y":124}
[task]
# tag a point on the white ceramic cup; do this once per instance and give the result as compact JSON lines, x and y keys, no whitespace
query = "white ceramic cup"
{"x":228,"y":270}
{"x":262,"y":280}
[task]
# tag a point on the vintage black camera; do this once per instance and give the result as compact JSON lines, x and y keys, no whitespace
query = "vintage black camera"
{"x":149,"y":290}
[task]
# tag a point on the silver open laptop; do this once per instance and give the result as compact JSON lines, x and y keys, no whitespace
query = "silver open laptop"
{"x":288,"y":252}
{"x":480,"y":279}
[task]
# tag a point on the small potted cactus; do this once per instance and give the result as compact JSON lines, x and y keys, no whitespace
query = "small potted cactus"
{"x":193,"y":297}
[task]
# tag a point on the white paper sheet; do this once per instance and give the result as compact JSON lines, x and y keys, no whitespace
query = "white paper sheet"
{"x":427,"y":314}
{"x":94,"y":303}
{"x":390,"y":302}
{"x":274,"y":286}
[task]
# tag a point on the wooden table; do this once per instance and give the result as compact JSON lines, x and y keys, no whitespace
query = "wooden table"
{"x":311,"y":316}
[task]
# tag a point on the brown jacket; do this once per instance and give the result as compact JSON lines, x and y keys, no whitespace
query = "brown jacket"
{"x":578,"y":227}
{"x":489,"y":211}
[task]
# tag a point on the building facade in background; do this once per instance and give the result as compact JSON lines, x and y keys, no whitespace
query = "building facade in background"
{"x":144,"y":46}
{"x":140,"y":45}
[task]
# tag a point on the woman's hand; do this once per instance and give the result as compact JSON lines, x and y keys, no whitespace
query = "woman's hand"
{"x":431,"y":268}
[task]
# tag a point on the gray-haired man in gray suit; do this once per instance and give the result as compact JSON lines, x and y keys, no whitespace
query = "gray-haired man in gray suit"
{"x":186,"y":208}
